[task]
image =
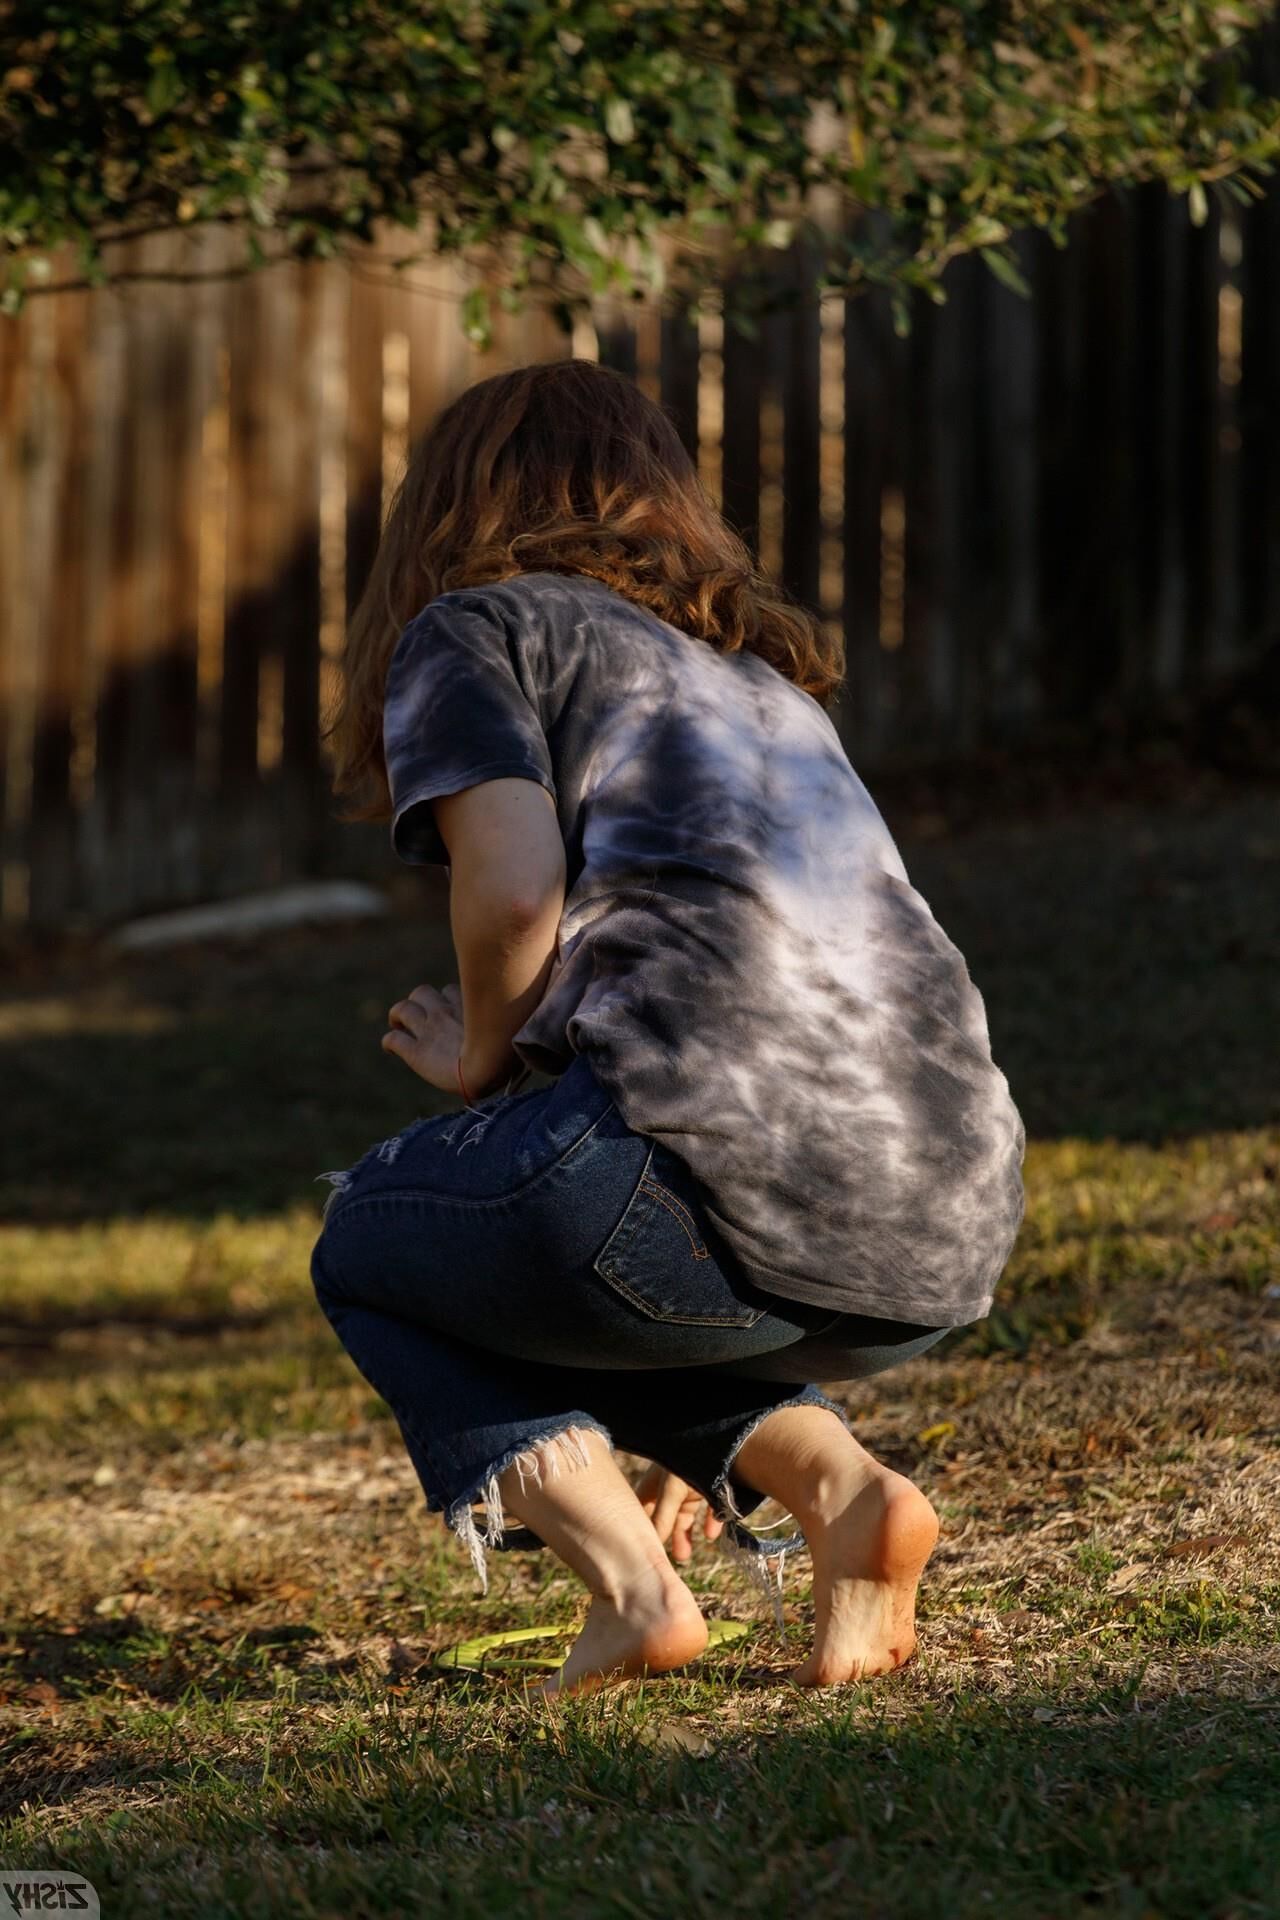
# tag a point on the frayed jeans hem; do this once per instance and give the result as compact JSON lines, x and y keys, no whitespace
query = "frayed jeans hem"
{"x":545,"y":1454}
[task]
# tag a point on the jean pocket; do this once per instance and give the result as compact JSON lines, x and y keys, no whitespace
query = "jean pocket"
{"x":659,"y":1256}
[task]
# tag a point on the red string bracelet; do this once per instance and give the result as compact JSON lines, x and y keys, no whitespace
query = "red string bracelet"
{"x":462,"y":1085}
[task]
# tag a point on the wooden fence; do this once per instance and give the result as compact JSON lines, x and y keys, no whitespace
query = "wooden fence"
{"x":1023,"y":516}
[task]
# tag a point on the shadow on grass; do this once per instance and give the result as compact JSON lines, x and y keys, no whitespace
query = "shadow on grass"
{"x":1129,"y":961}
{"x":1127,"y":1799}
{"x":129,"y":1660}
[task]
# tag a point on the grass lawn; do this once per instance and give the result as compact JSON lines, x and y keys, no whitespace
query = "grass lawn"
{"x":220,"y":1596}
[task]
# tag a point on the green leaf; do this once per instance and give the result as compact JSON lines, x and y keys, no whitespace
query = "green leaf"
{"x":594,"y":234}
{"x":477,"y":317}
{"x":986,"y":232}
{"x":1006,"y":270}
{"x":164,"y":88}
{"x":619,"y":121}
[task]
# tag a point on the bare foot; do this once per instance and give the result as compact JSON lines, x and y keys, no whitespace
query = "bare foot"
{"x":650,"y":1628}
{"x":869,"y":1532}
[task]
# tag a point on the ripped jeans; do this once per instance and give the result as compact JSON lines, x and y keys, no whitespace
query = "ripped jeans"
{"x":511,"y":1275}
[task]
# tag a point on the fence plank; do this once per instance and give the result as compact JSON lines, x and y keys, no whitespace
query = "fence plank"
{"x":439,"y":352}
{"x":940,"y":673}
{"x":301,"y":583}
{"x":740,"y":436}
{"x":863,"y":714}
{"x":365,"y":326}
{"x":802,"y":502}
{"x":1224,"y":640}
{"x":1198,"y":447}
{"x":252,"y":525}
{"x":678,"y":375}
{"x":181,"y":384}
{"x":1010,"y":453}
{"x":52,"y":838}
{"x":19,"y":371}
{"x":1257,"y":534}
{"x":115,"y":865}
{"x":1153,"y":444}
{"x":920,"y":657}
{"x":1087,"y":665}
{"x":616,"y":335}
{"x":12,"y":359}
{"x":1062,"y":506}
{"x":300,"y":626}
{"x":1167,"y":374}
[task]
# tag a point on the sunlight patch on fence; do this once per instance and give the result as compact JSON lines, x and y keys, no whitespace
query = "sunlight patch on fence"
{"x":711,"y":401}
{"x":648,"y":326}
{"x":211,"y":572}
{"x":395,"y":415}
{"x":831,"y":505}
{"x":772,"y":455}
{"x":893,"y":569}
{"x":333,"y":491}
{"x":586,"y":341}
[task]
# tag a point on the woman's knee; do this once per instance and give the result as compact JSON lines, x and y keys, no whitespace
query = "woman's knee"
{"x":324,"y":1276}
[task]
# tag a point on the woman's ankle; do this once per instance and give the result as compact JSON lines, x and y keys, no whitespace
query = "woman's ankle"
{"x":588,"y":1514}
{"x":806,"y":1458}
{"x":647,"y":1586}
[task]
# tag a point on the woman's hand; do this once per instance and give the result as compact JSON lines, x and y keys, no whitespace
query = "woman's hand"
{"x":426,"y":1033}
{"x":672,"y":1505}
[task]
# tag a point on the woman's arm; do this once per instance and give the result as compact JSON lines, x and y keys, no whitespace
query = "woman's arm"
{"x":506,"y":895}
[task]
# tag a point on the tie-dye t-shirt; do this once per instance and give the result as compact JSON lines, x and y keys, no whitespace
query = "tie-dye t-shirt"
{"x":741,"y":955}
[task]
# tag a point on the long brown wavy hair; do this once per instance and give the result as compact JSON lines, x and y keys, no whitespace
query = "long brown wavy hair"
{"x":562,"y":467}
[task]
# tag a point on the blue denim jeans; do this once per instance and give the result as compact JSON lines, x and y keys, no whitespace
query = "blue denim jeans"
{"x":515,"y":1273}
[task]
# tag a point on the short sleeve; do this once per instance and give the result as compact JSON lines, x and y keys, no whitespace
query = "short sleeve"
{"x":455,"y":714}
